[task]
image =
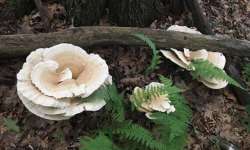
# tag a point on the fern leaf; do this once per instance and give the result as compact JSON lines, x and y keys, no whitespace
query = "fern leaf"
{"x":205,"y":69}
{"x":155,"y":61}
{"x":11,"y":125}
{"x":101,"y":142}
{"x":173,"y":127}
{"x":136,"y":133}
{"x":114,"y":102}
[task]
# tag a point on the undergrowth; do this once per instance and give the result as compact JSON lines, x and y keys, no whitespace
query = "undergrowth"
{"x":246,"y":73}
{"x":121,"y":132}
{"x":156,"y":58}
{"x":206,"y":70}
{"x":11,"y":125}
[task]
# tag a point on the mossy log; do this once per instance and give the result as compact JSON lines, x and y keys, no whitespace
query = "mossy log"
{"x":22,"y":44}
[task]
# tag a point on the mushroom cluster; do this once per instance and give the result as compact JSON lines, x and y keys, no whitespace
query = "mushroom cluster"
{"x":184,"y":59}
{"x":58,"y":82}
{"x":152,"y":102}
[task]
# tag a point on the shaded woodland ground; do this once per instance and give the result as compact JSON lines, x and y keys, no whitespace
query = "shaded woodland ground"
{"x":217,"y":114}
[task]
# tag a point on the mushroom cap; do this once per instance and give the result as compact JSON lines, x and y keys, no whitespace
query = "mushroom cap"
{"x":213,"y":83}
{"x":181,"y":56}
{"x":217,"y":59}
{"x":199,"y":54}
{"x":169,"y":55}
{"x":87,"y":69}
{"x":46,"y":79}
{"x":183,"y":59}
{"x":33,"y":108}
{"x":159,"y":103}
{"x":52,"y":80}
{"x":184,"y":29}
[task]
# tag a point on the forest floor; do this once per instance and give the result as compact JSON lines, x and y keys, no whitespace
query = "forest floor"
{"x":217,"y":114}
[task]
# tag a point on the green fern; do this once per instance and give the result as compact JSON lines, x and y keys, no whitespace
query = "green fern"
{"x":205,"y":69}
{"x":246,"y":73}
{"x":134,"y":132}
{"x":114,"y":102}
{"x":101,"y":142}
{"x":11,"y":125}
{"x":155,"y":61}
{"x":173,"y":127}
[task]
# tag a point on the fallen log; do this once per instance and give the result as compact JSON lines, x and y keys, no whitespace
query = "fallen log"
{"x":22,"y":44}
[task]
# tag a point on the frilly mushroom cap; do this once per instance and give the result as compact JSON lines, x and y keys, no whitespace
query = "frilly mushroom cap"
{"x":213,"y":83}
{"x":51,"y":79}
{"x":159,"y":103}
{"x":199,"y":54}
{"x":183,"y":59}
{"x":217,"y":58}
{"x":183,"y":29}
{"x":169,"y":55}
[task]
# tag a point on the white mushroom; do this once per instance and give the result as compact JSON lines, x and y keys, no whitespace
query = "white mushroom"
{"x":159,"y":103}
{"x":58,"y":82}
{"x":183,"y":29}
{"x":183,"y":59}
{"x":216,"y":58}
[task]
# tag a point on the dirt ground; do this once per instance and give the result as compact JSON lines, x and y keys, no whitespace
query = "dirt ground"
{"x":216,"y":117}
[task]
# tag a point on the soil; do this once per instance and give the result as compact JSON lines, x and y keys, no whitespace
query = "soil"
{"x":217,"y":115}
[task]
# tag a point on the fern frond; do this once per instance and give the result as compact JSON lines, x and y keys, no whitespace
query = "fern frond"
{"x":205,"y":69}
{"x":138,"y":134}
{"x":155,"y":61}
{"x":246,"y":72}
{"x":140,"y":96}
{"x":101,"y":142}
{"x":11,"y":125}
{"x":114,"y":102}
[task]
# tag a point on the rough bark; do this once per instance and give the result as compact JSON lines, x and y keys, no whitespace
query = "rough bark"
{"x":22,"y":7}
{"x":140,"y":13}
{"x":22,"y":44}
{"x":200,"y":21}
{"x":84,"y":12}
{"x":44,"y":14}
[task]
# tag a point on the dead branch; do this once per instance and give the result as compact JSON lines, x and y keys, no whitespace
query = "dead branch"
{"x":22,"y":44}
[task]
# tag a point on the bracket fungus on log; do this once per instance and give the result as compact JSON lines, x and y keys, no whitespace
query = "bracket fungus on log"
{"x":183,"y":59}
{"x":148,"y":102}
{"x":58,"y":82}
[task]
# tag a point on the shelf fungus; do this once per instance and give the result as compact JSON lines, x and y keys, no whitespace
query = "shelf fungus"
{"x":59,"y":82}
{"x":151,"y":99}
{"x":184,"y":59}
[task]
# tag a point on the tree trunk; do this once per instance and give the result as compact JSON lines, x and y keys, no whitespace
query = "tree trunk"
{"x":84,"y":12}
{"x":140,"y":13}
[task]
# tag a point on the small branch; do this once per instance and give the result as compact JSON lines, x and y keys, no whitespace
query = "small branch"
{"x":22,"y":44}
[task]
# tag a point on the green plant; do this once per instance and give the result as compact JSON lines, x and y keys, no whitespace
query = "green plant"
{"x":100,"y":142}
{"x":246,"y":73}
{"x":114,"y":102}
{"x":155,"y":61}
{"x":172,"y":127}
{"x":59,"y":135}
{"x":206,"y":70}
{"x":134,"y":132}
{"x":11,"y":125}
